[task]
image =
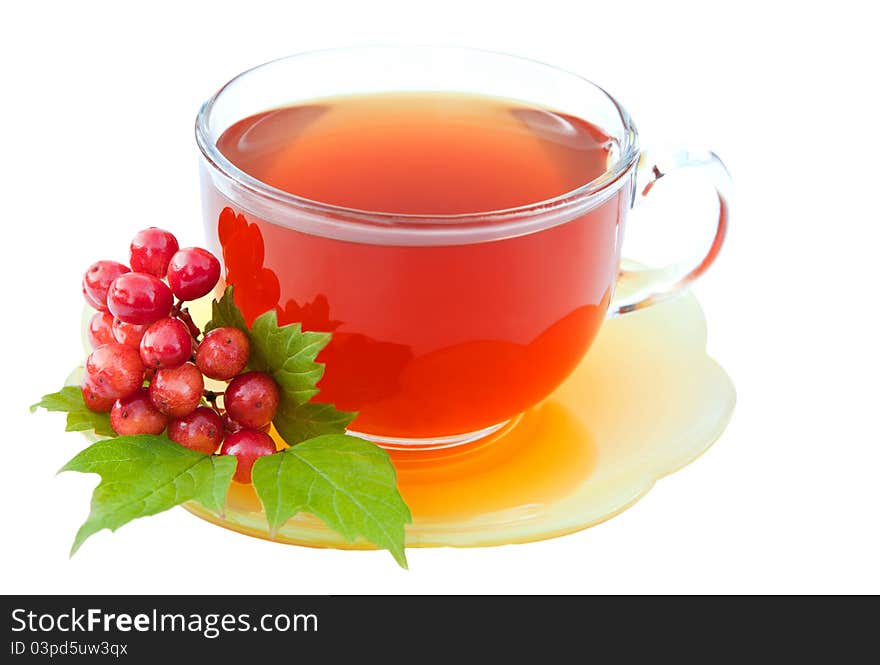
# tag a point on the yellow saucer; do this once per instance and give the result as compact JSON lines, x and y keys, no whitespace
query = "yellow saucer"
{"x":645,"y":401}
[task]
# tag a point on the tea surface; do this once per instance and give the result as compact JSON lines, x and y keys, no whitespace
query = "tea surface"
{"x":418,"y":153}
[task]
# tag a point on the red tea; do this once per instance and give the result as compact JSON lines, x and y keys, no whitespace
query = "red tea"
{"x":428,"y":340}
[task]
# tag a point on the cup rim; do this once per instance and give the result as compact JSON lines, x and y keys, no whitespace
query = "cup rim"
{"x":581,"y":198}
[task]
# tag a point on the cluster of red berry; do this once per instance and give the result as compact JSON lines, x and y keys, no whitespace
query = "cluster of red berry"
{"x":149,"y":359}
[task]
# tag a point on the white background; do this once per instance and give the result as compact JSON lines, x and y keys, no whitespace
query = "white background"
{"x":98,"y":102}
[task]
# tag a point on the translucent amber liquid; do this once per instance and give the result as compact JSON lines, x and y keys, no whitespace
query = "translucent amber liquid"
{"x":428,"y":340}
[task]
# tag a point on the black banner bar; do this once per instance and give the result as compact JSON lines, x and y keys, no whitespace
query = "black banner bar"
{"x":271,"y":629}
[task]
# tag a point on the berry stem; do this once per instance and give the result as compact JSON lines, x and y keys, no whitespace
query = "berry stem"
{"x":182,"y":313}
{"x":212,"y":396}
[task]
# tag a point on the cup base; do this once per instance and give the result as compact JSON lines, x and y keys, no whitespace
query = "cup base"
{"x":432,"y":443}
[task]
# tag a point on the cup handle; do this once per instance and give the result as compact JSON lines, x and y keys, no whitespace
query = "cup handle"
{"x":663,"y":283}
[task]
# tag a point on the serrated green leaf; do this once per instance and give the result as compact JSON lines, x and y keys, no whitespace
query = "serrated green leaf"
{"x":144,"y":475}
{"x":288,"y":354}
{"x":225,"y":313}
{"x":79,"y":418}
{"x":348,"y":483}
{"x":297,"y":423}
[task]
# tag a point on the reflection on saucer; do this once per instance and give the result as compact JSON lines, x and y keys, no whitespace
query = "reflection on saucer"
{"x":645,"y":401}
{"x":538,"y":458}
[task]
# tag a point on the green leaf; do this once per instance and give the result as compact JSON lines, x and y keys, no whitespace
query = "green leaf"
{"x":297,"y":423}
{"x":288,"y":354}
{"x":285,"y":352}
{"x":347,"y":482}
{"x":144,"y":475}
{"x":225,"y":313}
{"x":79,"y":418}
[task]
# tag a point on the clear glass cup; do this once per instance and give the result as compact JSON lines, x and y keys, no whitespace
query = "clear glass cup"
{"x":508,"y":324}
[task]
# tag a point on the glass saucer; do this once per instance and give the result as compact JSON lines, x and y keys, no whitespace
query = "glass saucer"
{"x":645,"y":401}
